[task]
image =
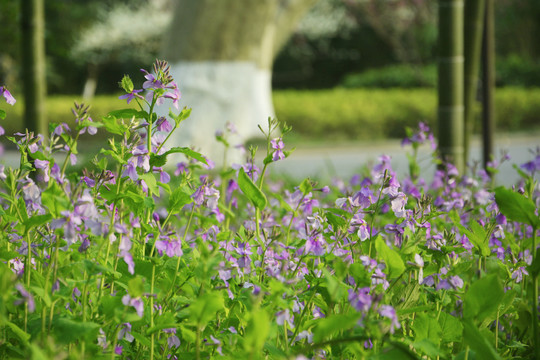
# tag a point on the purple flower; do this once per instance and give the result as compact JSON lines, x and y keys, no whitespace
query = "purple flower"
{"x":284,"y":316}
{"x":27,"y":298}
{"x":170,"y":247}
{"x":389,"y":312}
{"x":17,"y":266}
{"x":316,"y":245}
{"x":125,"y":333}
{"x":278,"y":145}
{"x":131,"y":95}
{"x":163,"y":125}
{"x":7,"y":95}
{"x":398,"y":204}
{"x":137,"y":304}
{"x":175,"y":95}
{"x":360,"y":300}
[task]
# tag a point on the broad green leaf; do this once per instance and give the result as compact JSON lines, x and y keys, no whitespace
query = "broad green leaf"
{"x":483,"y":348}
{"x":150,"y":180}
{"x":21,"y":334}
{"x":329,"y":326}
{"x":451,"y":327}
{"x":128,"y":114}
{"x":113,"y":126}
{"x":516,"y":207}
{"x":252,"y":192}
{"x":42,"y":293}
{"x":397,"y":351}
{"x":427,"y":327}
{"x":428,"y":347}
{"x":164,"y":321}
{"x":534,"y":268}
{"x":205,"y":308}
{"x":257,"y":331}
{"x":184,"y":114}
{"x":2,"y":114}
{"x":483,"y":298}
{"x":335,"y":220}
{"x":37,"y":220}
{"x":160,"y":160}
{"x":178,"y":199}
{"x":68,"y":330}
{"x":391,"y":258}
{"x":135,"y":287}
{"x":306,"y":187}
{"x":55,"y":199}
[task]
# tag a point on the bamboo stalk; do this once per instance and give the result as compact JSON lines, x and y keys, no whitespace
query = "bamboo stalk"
{"x":450,"y":82}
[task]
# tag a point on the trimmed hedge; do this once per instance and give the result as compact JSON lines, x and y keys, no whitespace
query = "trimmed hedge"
{"x":364,"y":114}
{"x":347,"y":114}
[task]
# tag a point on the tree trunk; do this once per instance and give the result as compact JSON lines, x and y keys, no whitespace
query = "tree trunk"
{"x":221,"y":54}
{"x":90,"y":84}
{"x":33,"y":61}
{"x":474,"y":22}
{"x":450,"y":82}
{"x":488,"y":87}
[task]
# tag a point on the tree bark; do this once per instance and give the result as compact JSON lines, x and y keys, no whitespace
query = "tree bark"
{"x":33,"y":55}
{"x":450,"y":82}
{"x":221,"y":54}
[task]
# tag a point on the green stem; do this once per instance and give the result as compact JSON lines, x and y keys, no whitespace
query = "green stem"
{"x":536,"y":333}
{"x":152,"y":339}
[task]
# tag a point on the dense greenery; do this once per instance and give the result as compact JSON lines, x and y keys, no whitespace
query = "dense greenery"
{"x":126,"y":260}
{"x":354,"y":114}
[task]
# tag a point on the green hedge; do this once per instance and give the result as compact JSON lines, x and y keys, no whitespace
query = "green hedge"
{"x":404,"y":76}
{"x":384,"y":113}
{"x":339,"y":113}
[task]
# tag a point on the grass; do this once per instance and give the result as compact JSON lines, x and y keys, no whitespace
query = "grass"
{"x":340,"y":114}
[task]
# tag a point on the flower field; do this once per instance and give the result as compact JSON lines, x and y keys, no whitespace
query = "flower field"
{"x":130,"y":259}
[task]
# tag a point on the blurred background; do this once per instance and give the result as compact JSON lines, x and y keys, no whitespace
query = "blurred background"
{"x":350,"y":70}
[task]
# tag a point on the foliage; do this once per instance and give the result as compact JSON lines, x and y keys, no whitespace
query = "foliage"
{"x":401,"y":76}
{"x":126,"y":260}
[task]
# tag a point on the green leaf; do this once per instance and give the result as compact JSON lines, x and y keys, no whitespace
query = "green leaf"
{"x":483,"y":348}
{"x":2,"y":114}
{"x":335,"y":220}
{"x":202,"y":310}
{"x":252,"y":192}
{"x":178,"y":199}
{"x":126,"y":84}
{"x":184,"y":114}
{"x":151,"y":182}
{"x":21,"y":334}
{"x":36,"y":221}
{"x":427,"y":327}
{"x":67,"y":330}
{"x":391,"y":258}
{"x":160,"y":160}
{"x":306,"y":187}
{"x":333,"y":324}
{"x":257,"y":331}
{"x":451,"y":327}
{"x":128,"y":114}
{"x":483,"y":298}
{"x":135,"y":287}
{"x":44,"y":295}
{"x":113,"y":126}
{"x":534,"y":268}
{"x":516,"y":207}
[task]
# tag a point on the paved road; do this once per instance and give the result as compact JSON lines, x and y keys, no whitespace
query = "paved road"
{"x":344,"y":160}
